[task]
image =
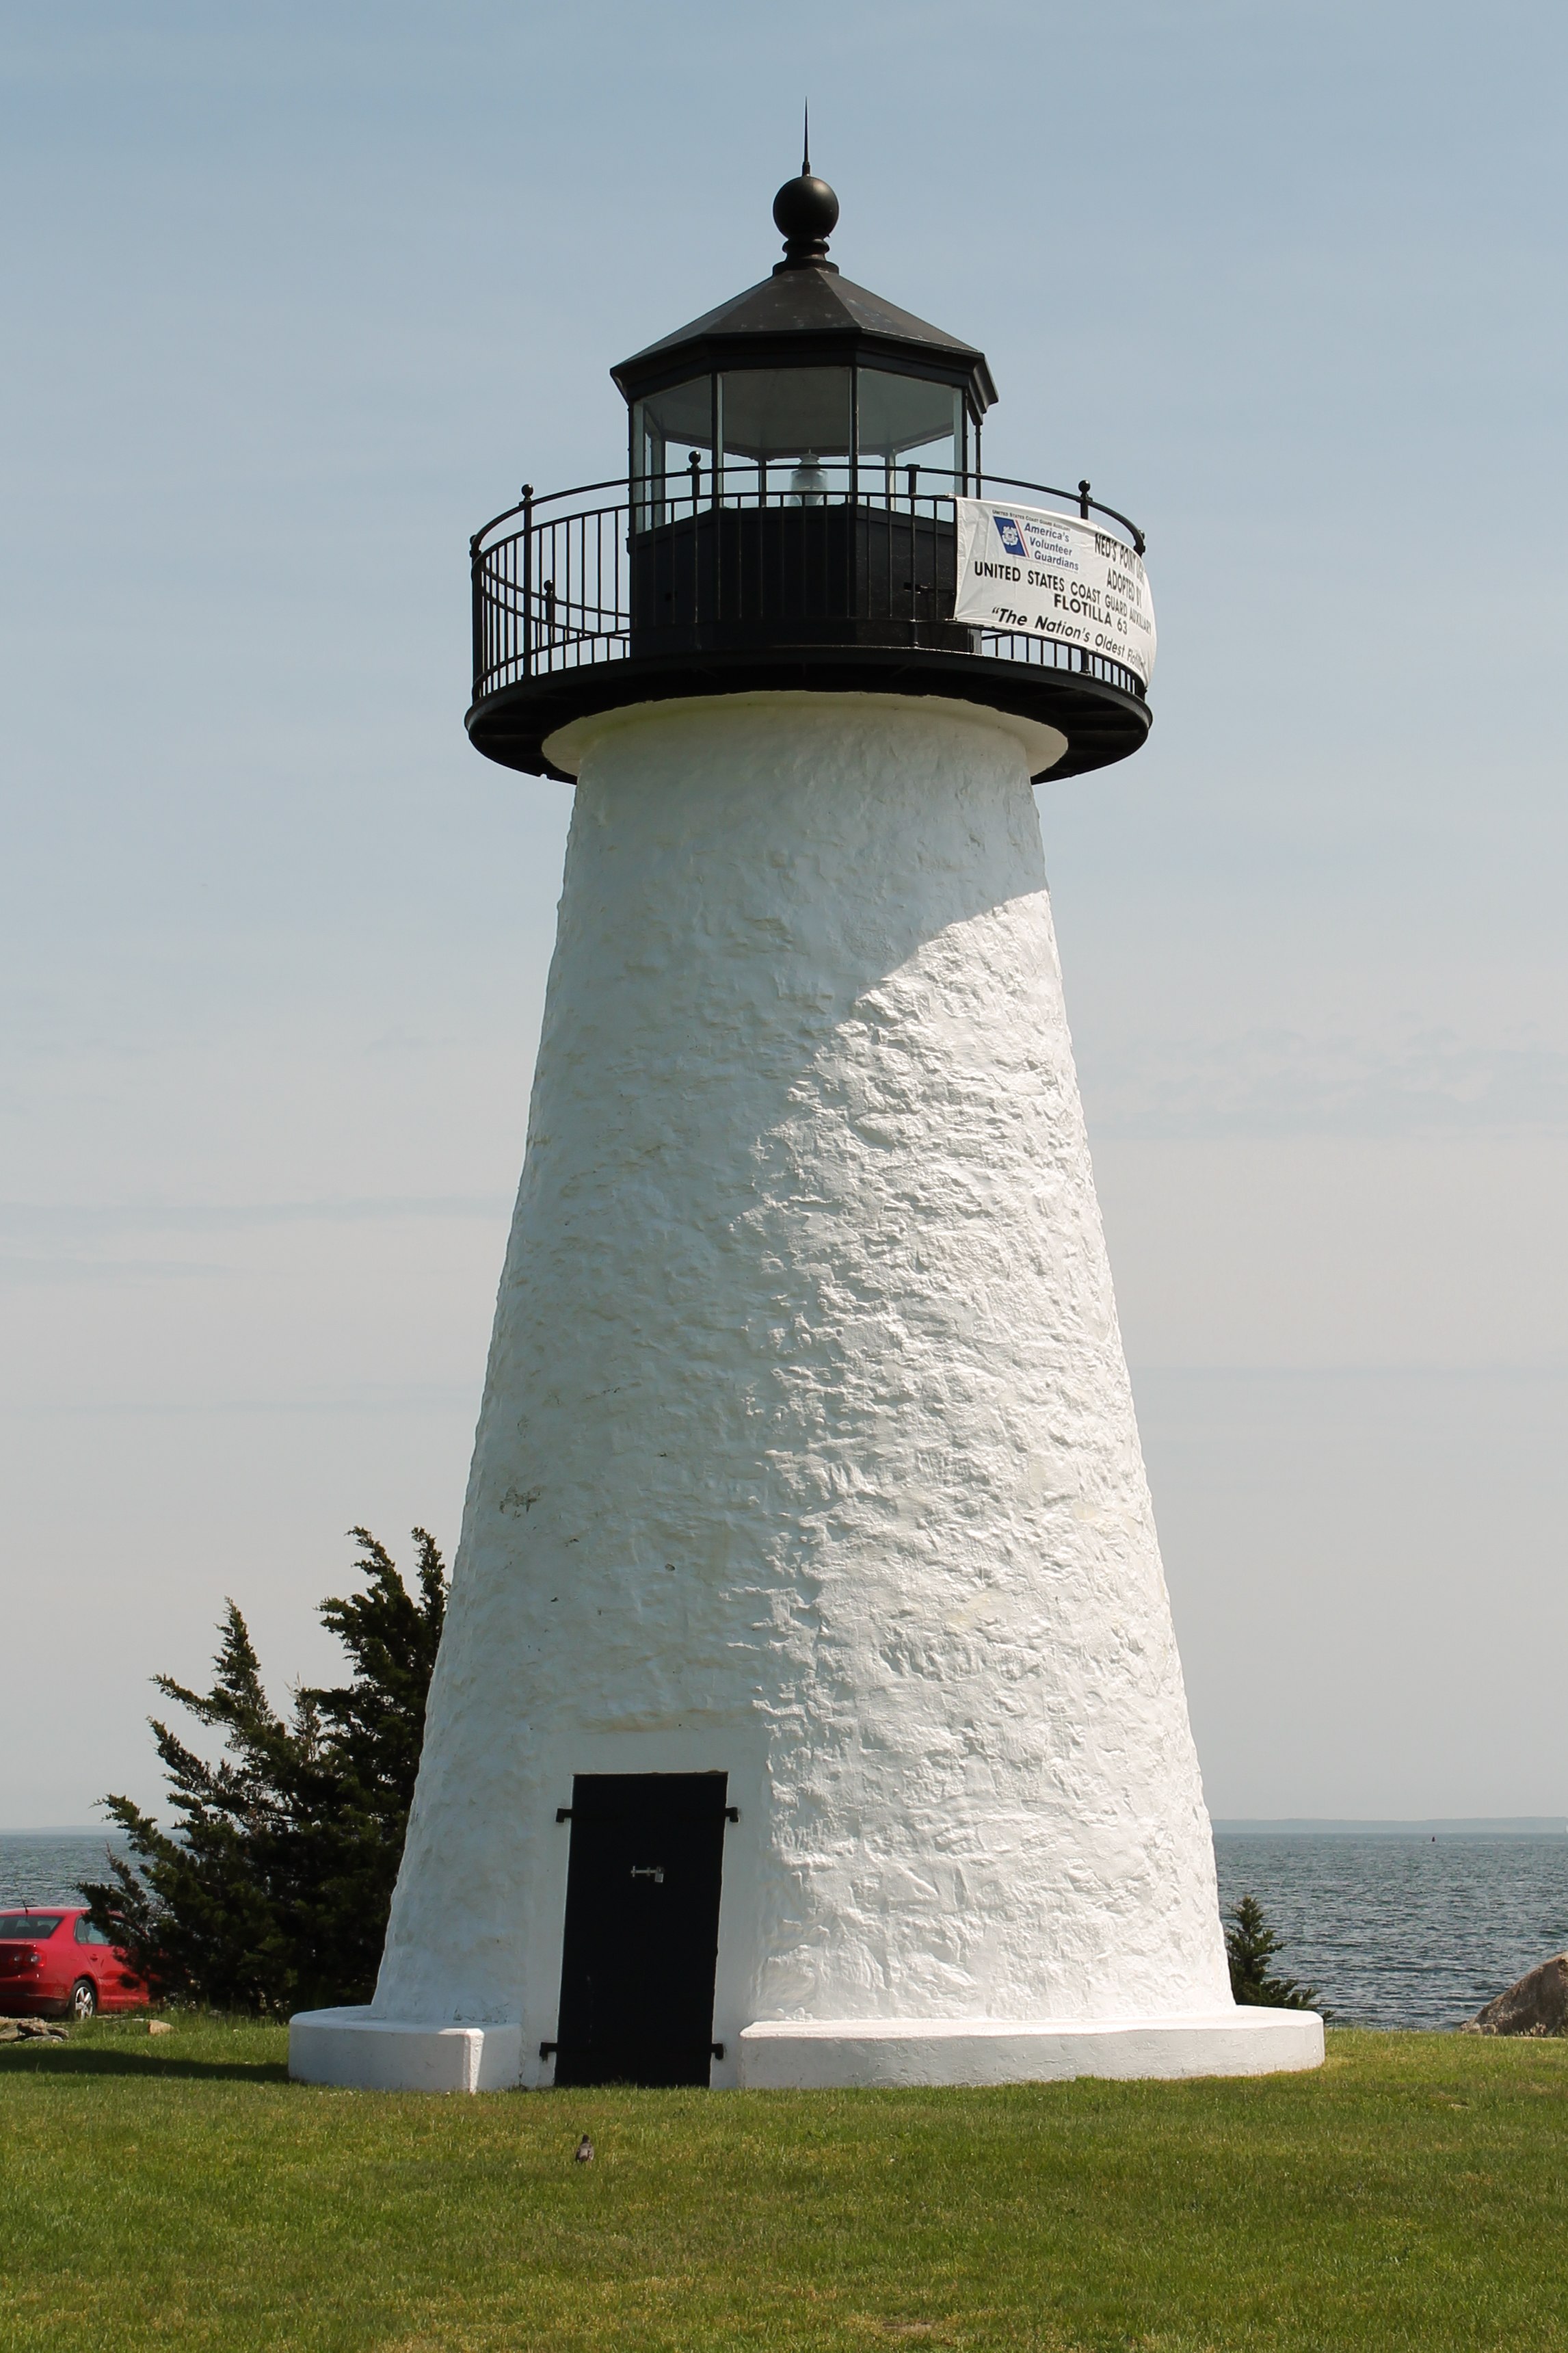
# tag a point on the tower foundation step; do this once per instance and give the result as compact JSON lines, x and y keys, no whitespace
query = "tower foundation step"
{"x":354,"y":2047}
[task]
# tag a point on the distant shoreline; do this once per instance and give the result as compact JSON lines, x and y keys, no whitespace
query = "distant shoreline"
{"x":1437,"y":1826}
{"x":68,"y":1829}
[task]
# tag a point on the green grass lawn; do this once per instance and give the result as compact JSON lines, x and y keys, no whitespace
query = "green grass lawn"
{"x":181,"y":2192}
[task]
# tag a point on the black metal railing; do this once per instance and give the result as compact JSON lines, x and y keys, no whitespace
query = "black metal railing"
{"x":729,"y":559}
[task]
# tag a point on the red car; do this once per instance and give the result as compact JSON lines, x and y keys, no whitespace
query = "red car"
{"x":54,"y":1964}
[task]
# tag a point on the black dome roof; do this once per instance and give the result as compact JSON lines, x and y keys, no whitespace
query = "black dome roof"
{"x":807,"y":315}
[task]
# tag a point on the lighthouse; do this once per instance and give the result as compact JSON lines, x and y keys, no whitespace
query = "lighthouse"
{"x":808,"y":1711}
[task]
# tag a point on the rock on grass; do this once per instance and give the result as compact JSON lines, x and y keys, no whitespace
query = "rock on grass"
{"x":1537,"y":2004}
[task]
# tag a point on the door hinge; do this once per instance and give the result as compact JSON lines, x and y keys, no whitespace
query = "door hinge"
{"x":562,"y":1813}
{"x":717,"y":2049}
{"x":548,"y":2049}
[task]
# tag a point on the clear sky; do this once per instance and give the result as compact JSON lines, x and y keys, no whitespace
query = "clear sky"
{"x":295,"y":296}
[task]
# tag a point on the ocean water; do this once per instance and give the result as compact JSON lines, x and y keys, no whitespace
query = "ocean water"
{"x":1396,"y":1929}
{"x":1403,"y":1928}
{"x":44,"y":1866}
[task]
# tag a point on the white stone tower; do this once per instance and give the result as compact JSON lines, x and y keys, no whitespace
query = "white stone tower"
{"x":808,"y":1710}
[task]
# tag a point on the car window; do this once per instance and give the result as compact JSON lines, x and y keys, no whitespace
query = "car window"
{"x":86,"y":1934}
{"x":33,"y":1924}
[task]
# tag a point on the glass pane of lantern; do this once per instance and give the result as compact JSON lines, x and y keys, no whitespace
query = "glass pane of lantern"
{"x":906,"y":421}
{"x":786,"y":433}
{"x":668,"y":428}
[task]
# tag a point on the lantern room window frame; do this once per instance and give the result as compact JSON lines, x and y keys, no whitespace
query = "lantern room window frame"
{"x":856,"y":477}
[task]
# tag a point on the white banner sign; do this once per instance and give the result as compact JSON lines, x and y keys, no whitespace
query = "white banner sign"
{"x":1054,"y":576}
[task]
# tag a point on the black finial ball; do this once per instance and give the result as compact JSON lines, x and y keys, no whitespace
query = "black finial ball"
{"x":806,"y":211}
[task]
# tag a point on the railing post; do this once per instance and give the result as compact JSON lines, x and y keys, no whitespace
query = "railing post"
{"x":478,"y":598}
{"x":528,"y":579}
{"x":912,"y":475}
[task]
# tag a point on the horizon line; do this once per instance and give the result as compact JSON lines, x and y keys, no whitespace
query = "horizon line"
{"x":1518,"y":1824}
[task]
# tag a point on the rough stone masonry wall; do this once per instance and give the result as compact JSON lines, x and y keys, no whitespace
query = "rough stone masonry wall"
{"x":807,"y":1448}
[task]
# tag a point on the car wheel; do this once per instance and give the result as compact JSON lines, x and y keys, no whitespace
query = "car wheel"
{"x":83,"y":2000}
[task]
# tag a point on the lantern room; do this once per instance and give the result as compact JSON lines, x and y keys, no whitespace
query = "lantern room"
{"x":803,"y":391}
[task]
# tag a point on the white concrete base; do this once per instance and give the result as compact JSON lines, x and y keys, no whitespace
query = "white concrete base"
{"x":831,"y":2055}
{"x":378,"y":2054}
{"x":352,"y":2048}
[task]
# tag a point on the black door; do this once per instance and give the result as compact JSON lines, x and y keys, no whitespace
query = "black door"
{"x":642,"y":1928}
